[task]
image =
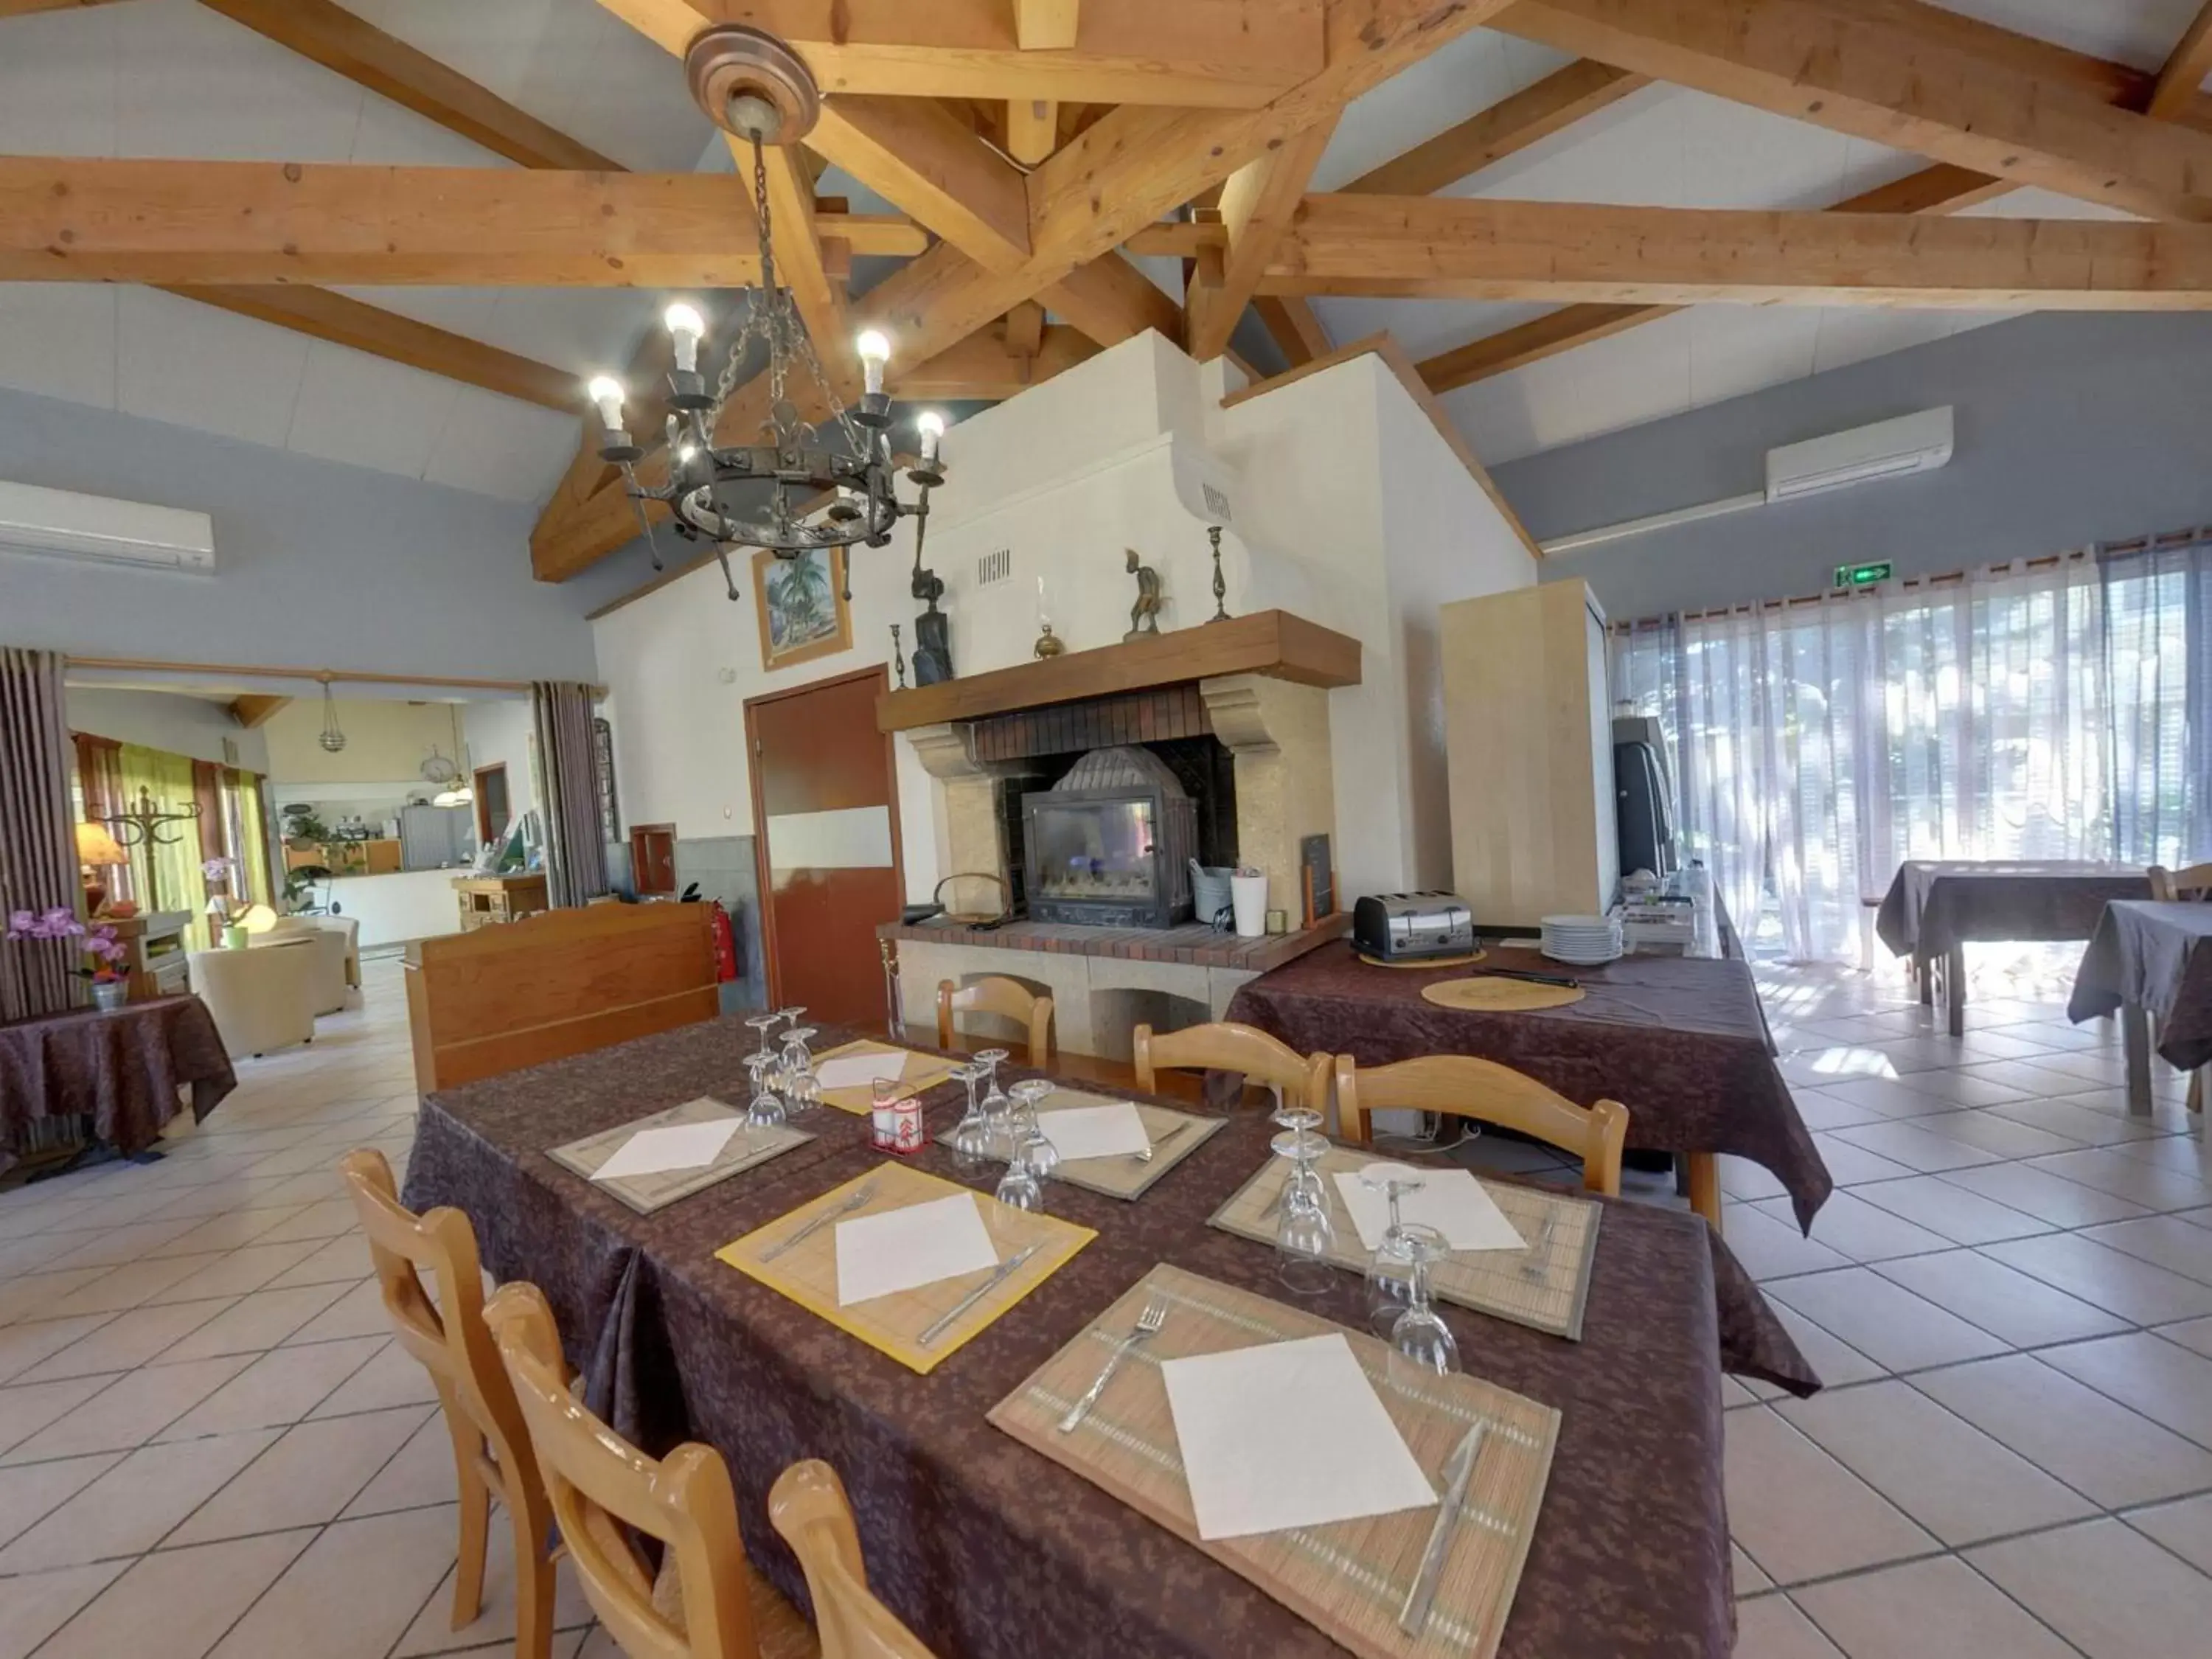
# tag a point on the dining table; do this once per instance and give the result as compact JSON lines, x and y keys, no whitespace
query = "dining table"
{"x":982,"y":1545}
{"x":1934,"y":907}
{"x":2149,"y":959}
{"x":1681,"y":1042}
{"x":120,"y":1073}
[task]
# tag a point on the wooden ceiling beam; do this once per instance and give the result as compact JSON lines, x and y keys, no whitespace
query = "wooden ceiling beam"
{"x":1899,"y":73}
{"x":254,"y":708}
{"x":1231,"y":54}
{"x":1295,"y":330}
{"x":25,"y":8}
{"x":1111,"y":301}
{"x":1939,"y":189}
{"x":819,"y":293}
{"x":1487,"y":137}
{"x":2178,"y":83}
{"x":1258,"y":201}
{"x":986,"y":368}
{"x":1431,"y":248}
{"x":916,"y":153}
{"x":1033,"y":124}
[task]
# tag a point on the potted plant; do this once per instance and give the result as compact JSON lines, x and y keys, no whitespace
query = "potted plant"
{"x":110,"y":986}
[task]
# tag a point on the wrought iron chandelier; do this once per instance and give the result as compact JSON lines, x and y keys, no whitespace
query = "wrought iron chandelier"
{"x":797,"y":489}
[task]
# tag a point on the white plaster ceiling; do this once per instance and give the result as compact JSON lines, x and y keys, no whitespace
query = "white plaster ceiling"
{"x":170,"y":78}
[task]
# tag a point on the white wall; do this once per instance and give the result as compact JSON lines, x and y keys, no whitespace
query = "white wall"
{"x":499,"y":734}
{"x":164,"y":720}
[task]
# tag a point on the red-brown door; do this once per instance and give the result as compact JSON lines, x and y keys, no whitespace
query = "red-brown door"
{"x":825,"y":817}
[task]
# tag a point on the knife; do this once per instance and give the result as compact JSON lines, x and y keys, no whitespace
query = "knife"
{"x":1151,"y":1147}
{"x":1560,"y":980}
{"x":1459,"y":1471}
{"x":852,"y":1201}
{"x":1004,"y":1271}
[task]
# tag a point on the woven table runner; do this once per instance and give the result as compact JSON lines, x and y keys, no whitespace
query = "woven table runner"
{"x":807,"y":1271}
{"x":1176,"y":1135}
{"x":645,"y":1194}
{"x":917,"y":1071}
{"x":1543,"y":1287}
{"x":1349,"y":1578}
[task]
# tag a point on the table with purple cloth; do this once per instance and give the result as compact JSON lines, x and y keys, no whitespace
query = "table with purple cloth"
{"x":125,"y":1071}
{"x":1934,"y":907}
{"x":1679,"y":1041}
{"x":987,"y":1548}
{"x":2149,"y":957}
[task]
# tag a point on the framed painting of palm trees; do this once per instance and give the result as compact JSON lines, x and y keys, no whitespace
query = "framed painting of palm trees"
{"x":802,"y":608}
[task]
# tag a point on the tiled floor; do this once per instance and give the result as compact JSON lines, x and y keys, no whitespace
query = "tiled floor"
{"x":209,"y":1445}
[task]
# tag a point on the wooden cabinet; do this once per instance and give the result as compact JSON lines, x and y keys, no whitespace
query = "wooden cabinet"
{"x":1529,"y":737}
{"x":485,"y":900}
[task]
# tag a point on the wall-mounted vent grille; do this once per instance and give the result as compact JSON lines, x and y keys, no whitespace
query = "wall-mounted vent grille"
{"x":230,"y":751}
{"x":995,"y":567}
{"x":1215,"y":503}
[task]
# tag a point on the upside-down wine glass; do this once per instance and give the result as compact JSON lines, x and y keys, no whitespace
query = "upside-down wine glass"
{"x":1034,"y":1146}
{"x":1020,"y":1187}
{"x":766,"y":1111}
{"x":1419,"y":1337}
{"x":997,"y":1111}
{"x":800,"y":1086}
{"x":971,"y":1136}
{"x":763,"y":1024}
{"x":1305,"y":1237}
{"x":1391,"y":1267}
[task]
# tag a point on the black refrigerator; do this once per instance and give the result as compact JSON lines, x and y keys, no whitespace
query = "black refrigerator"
{"x":1644,"y":797}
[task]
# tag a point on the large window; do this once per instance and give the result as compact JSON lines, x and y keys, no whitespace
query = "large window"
{"x":2060,"y":711}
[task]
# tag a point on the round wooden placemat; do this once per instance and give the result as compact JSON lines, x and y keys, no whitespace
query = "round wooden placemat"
{"x":1423,"y":961}
{"x":1488,"y":995}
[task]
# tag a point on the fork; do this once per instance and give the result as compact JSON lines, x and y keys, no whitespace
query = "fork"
{"x":1148,"y":1325}
{"x":1152,"y":1147}
{"x":858,"y":1196}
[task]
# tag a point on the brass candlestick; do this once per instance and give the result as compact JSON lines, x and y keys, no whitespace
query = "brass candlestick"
{"x":1220,"y":587}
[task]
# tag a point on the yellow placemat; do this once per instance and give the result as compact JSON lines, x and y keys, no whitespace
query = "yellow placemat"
{"x":647,"y":1192}
{"x":1543,"y":1286}
{"x":1348,"y":1578}
{"x":806,"y":1270}
{"x":1176,"y":1135}
{"x":1487,"y":994}
{"x":1431,"y":963}
{"x":917,"y":1072}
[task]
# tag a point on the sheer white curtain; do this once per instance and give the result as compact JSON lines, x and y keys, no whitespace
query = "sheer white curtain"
{"x":1816,"y":745}
{"x":2157,"y":654}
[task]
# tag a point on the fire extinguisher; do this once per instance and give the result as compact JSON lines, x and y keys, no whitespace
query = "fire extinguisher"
{"x":726,"y":943}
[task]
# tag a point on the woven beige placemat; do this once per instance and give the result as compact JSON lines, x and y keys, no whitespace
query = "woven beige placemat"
{"x":807,"y":1271}
{"x":1543,"y":1287}
{"x":1348,"y":1578}
{"x":647,"y":1192}
{"x":1176,"y":1135}
{"x":1488,"y":994}
{"x":917,"y":1072}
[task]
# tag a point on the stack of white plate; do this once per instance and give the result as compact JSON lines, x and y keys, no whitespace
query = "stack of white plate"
{"x":1585,"y":941}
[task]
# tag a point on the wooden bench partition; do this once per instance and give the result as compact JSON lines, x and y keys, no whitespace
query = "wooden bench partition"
{"x":561,"y":983}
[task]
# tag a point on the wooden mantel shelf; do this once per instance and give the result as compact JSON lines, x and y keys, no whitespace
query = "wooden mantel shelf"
{"x":1275,"y":643}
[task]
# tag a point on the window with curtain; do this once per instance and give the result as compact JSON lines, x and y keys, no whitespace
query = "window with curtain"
{"x":2050,"y":712}
{"x":166,"y":875}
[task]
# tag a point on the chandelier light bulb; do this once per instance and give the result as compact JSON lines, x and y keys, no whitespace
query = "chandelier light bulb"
{"x":930,"y":425}
{"x":686,"y":328}
{"x":874,"y":352}
{"x":606,"y":392}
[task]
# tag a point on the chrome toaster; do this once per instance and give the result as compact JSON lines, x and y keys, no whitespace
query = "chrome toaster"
{"x":1412,"y":926}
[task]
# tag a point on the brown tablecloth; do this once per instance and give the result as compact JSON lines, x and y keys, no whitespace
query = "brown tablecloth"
{"x":1934,"y":904}
{"x":2156,"y":957}
{"x":1679,"y":1041}
{"x":123,"y":1070}
{"x":981,"y":1545}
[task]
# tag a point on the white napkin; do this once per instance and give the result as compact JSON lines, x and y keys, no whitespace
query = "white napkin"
{"x":677,"y":1146}
{"x":918,"y":1245}
{"x":1077,"y":1131}
{"x":1450,"y":1200}
{"x":859,"y":1071}
{"x":1252,"y":1468}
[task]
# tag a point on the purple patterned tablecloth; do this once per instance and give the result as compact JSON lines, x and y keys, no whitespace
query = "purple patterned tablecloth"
{"x":1679,"y":1041}
{"x":1934,"y":904}
{"x":123,"y":1069}
{"x":982,"y":1547}
{"x":2156,"y":957}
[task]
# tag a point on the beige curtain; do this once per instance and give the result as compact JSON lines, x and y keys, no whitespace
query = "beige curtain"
{"x":38,"y":844}
{"x":575,"y":856}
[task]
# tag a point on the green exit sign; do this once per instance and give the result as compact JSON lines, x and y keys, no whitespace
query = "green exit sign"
{"x":1861,"y":575}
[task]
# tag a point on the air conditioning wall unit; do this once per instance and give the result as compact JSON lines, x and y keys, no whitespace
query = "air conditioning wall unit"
{"x":65,"y":525}
{"x":1887,"y":449}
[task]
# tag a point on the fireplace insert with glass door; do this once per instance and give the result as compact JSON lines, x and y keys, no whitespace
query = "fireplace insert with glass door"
{"x":1110,"y":844}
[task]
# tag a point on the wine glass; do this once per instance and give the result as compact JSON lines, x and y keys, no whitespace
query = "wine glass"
{"x":971,"y":1136}
{"x":1020,"y":1187}
{"x":1306,"y":1148}
{"x":1417,"y":1336}
{"x":997,"y":1111}
{"x":800,"y":1087}
{"x":1305,"y":1237}
{"x":766,"y":1111}
{"x":1391,"y":1267}
{"x":1035,"y":1147}
{"x":763,"y":1024}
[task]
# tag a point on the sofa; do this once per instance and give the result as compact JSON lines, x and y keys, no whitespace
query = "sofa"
{"x":328,"y":940}
{"x":262,"y":1001}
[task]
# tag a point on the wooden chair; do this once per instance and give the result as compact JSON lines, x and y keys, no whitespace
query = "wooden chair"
{"x":491,"y":1449}
{"x":807,"y":1506}
{"x":1461,"y":1086}
{"x":707,"y":1602}
{"x":2191,"y":885}
{"x":997,"y":994}
{"x":1227,"y":1046}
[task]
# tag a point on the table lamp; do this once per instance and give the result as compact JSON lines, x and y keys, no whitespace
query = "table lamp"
{"x":96,"y":850}
{"x":254,"y":919}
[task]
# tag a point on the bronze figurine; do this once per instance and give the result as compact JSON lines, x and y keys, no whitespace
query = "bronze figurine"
{"x":1144,"y":614}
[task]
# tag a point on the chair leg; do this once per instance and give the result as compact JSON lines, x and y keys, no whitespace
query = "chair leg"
{"x":2197,"y":1090}
{"x":476,"y":1513}
{"x":1705,"y":1187}
{"x":533,"y":1583}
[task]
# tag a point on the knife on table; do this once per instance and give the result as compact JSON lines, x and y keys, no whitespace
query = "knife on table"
{"x":1459,"y":1471}
{"x":1004,"y":1272}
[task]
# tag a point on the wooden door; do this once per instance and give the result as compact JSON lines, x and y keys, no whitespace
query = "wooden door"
{"x":825,"y":820}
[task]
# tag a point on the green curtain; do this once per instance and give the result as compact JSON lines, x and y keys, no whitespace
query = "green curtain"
{"x":254,"y":855}
{"x":165,"y":876}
